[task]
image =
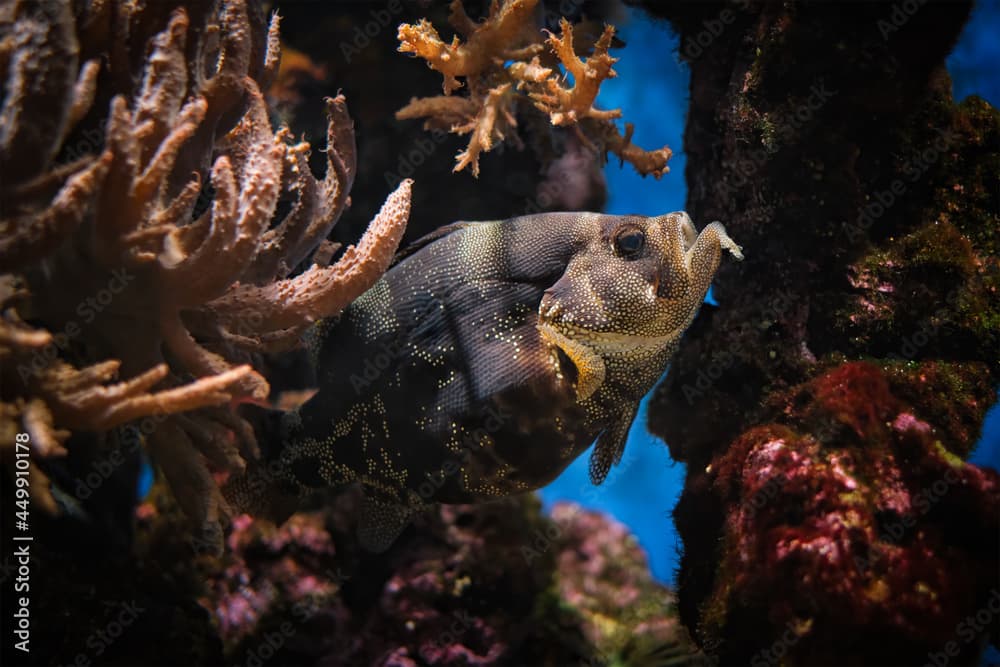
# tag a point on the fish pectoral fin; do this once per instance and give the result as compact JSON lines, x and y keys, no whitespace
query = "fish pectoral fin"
{"x":589,"y":365}
{"x":381,"y":523}
{"x":246,"y":495}
{"x":610,"y":445}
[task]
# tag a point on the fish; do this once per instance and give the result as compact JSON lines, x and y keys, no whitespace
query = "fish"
{"x":485,"y":360}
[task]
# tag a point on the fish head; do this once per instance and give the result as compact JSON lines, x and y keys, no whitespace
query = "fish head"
{"x":631,"y":288}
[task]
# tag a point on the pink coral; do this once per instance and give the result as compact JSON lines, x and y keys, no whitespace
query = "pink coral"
{"x":470,"y":585}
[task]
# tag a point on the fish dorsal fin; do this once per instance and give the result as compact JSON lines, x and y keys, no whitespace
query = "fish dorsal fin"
{"x":427,"y":239}
{"x":611,"y":445}
{"x":381,"y":523}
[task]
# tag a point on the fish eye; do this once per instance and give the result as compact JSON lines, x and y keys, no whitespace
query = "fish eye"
{"x":629,"y":242}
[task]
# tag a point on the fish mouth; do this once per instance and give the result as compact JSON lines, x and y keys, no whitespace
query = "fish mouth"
{"x":602,"y":342}
{"x":590,"y":369}
{"x":549,"y":312}
{"x":586,"y":349}
{"x":609,"y":342}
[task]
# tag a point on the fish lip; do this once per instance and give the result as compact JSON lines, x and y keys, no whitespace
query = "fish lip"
{"x":551,"y":313}
{"x":672,"y":228}
{"x":610,"y":342}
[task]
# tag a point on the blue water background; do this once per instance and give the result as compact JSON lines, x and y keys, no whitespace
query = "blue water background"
{"x":652,"y":91}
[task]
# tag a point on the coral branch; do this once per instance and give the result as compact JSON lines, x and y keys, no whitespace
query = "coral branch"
{"x":83,"y":92}
{"x":487,"y":127}
{"x":95,"y":407}
{"x":341,"y":166}
{"x":195,"y":490}
{"x":566,"y":106}
{"x":504,"y":61}
{"x":272,"y":56}
{"x":46,"y":440}
{"x":442,"y":111}
{"x":645,"y":162}
{"x":167,"y":243}
{"x":323,"y":291}
{"x":33,"y":237}
{"x":502,"y":30}
{"x":164,"y":83}
{"x":41,"y":81}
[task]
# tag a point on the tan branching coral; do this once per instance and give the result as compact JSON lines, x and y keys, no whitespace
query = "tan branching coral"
{"x":506,"y":29}
{"x":567,"y":105}
{"x":509,"y":66}
{"x":146,"y":274}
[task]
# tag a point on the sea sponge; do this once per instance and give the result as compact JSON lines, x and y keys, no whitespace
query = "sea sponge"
{"x":152,"y":242}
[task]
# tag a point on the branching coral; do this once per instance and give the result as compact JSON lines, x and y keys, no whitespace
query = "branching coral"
{"x":507,"y":68}
{"x":567,"y":105}
{"x":128,"y":264}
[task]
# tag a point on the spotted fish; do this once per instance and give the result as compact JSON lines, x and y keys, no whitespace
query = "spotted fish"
{"x":488,"y":358}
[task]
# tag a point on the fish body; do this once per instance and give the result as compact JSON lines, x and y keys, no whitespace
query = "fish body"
{"x":489,"y":357}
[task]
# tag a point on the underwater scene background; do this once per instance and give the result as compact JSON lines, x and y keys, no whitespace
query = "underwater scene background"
{"x":257,"y":407}
{"x":647,"y":478}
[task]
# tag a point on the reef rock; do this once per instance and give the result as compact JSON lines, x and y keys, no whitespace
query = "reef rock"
{"x":823,"y":410}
